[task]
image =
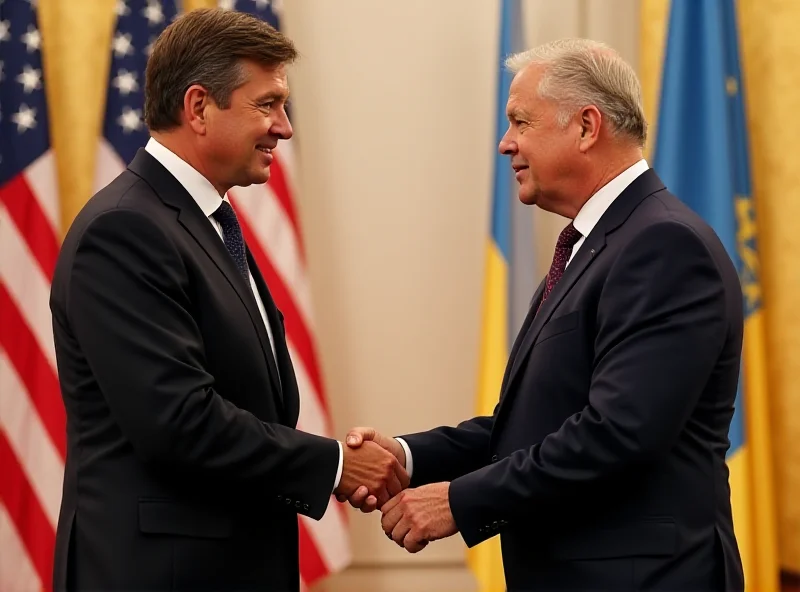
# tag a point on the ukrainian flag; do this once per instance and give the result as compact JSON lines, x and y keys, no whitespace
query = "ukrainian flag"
{"x":508,"y":282}
{"x":701,"y":153}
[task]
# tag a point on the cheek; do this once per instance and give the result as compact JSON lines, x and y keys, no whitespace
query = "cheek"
{"x":221,"y":133}
{"x":536,"y":154}
{"x":236,"y":131}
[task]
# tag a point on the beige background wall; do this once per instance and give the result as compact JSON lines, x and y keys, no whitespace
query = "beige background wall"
{"x":394,"y":110}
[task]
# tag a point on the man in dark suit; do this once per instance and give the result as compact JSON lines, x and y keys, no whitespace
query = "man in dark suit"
{"x":184,"y":469}
{"x":603,"y":464}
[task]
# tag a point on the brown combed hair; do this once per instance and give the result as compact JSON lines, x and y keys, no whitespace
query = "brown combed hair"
{"x":206,"y":47}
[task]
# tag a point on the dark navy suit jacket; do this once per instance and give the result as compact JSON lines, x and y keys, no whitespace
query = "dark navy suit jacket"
{"x":603,"y":465}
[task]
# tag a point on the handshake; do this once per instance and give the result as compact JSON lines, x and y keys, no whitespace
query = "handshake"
{"x":374,"y":477}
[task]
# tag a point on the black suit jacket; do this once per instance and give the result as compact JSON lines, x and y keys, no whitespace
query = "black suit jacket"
{"x":603,"y":465}
{"x":183,"y":469}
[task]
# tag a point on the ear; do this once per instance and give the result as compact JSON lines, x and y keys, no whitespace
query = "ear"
{"x":590,"y":120}
{"x":195,"y":102}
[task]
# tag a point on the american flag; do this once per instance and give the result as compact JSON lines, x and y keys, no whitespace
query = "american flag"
{"x":138,"y":24}
{"x":32,"y":420}
{"x":271,"y":227}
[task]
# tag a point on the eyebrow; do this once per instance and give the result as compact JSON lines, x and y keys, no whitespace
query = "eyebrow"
{"x":516,"y":113}
{"x":273,"y":95}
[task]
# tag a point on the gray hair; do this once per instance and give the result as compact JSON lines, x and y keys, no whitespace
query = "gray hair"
{"x":581,"y":72}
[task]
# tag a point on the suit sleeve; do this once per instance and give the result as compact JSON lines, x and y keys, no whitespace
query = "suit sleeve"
{"x":662,"y":322}
{"x":128,"y":306}
{"x":447,"y":452}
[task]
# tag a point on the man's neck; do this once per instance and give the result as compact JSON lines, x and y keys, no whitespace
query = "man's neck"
{"x":175,"y":144}
{"x":612,"y":167}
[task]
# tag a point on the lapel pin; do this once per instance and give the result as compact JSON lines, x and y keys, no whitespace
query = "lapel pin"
{"x":591,"y":253}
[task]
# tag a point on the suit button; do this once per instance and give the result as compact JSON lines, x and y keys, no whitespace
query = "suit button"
{"x":280,"y":497}
{"x":305,"y":507}
{"x":494,"y":525}
{"x":288,"y":502}
{"x":480,"y":530}
{"x":495,"y":458}
{"x":298,"y":505}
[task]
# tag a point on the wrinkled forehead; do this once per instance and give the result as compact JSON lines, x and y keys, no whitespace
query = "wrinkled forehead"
{"x":526,"y":81}
{"x":523,"y":92}
{"x":265,"y":79}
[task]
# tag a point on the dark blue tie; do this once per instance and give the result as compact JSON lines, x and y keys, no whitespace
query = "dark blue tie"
{"x":232,"y":236}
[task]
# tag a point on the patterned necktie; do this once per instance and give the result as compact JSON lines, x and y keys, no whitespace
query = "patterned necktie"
{"x":232,"y":236}
{"x":566,"y":240}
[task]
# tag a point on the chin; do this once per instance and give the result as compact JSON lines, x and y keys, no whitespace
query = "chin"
{"x":527,"y":198}
{"x":259,"y":178}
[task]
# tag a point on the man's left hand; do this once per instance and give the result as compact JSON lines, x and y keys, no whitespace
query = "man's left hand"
{"x":415,"y":517}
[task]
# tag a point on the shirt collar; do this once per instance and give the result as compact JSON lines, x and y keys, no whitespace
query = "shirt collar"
{"x":596,"y":206}
{"x":200,"y":188}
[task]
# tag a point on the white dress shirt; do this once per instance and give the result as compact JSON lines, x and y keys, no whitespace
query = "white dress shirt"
{"x":584,"y":222}
{"x":208,"y":199}
{"x":596,"y":206}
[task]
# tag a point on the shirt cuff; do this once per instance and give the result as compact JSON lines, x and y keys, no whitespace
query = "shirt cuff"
{"x":339,"y":470}
{"x":409,"y":459}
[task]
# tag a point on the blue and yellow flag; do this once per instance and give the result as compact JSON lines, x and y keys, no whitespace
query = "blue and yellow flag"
{"x":702,"y":154}
{"x":508,"y":281}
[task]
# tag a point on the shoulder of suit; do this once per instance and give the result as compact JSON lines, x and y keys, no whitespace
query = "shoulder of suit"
{"x":118,"y":203}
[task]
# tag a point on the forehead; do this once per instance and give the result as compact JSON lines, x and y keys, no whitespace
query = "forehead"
{"x":265,"y":79}
{"x":523,"y":90}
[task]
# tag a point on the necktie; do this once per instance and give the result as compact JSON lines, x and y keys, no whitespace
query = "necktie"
{"x":566,"y":240}
{"x":232,"y":236}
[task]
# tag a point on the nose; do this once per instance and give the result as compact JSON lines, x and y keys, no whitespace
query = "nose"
{"x":282,"y":127}
{"x":507,"y":146}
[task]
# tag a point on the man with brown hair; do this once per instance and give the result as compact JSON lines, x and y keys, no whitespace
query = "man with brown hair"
{"x":184,"y":469}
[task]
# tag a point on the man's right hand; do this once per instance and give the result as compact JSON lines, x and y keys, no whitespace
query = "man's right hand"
{"x":356,"y":436}
{"x":361,"y":497}
{"x":371,"y":470}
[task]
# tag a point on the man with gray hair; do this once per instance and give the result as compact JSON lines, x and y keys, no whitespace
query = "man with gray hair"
{"x":603,"y":464}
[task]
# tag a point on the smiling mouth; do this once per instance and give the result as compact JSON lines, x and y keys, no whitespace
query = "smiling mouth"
{"x":264,"y":149}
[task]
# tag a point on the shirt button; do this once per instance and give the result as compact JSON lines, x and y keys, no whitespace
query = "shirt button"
{"x":495,"y":458}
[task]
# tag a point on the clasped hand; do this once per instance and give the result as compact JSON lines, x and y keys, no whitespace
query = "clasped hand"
{"x":372,"y":470}
{"x":411,"y":517}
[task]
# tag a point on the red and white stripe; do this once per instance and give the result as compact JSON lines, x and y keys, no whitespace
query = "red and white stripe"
{"x":32,"y":419}
{"x":270,"y":225}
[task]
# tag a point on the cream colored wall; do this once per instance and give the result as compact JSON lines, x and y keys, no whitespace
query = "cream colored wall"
{"x":394,"y":110}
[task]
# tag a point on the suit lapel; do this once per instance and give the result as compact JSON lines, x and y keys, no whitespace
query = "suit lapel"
{"x":191,"y":217}
{"x":592,"y":246}
{"x":523,"y":331}
{"x":618,"y":212}
{"x":284,"y":371}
